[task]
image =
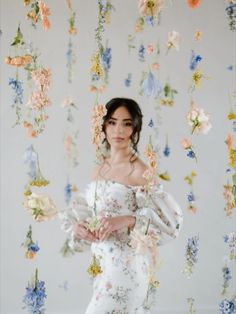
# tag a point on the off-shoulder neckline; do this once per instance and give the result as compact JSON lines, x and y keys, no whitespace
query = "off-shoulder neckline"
{"x":118,"y":183}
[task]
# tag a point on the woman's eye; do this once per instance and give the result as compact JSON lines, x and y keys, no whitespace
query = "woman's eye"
{"x":128,"y":124}
{"x":111,"y":122}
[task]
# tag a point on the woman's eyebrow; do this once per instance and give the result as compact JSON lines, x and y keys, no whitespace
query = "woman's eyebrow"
{"x":128,"y":119}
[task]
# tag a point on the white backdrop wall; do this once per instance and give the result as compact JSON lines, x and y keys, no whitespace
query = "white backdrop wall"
{"x":217,"y":47}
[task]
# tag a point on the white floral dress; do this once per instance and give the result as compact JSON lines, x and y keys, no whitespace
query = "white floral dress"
{"x":124,"y":285}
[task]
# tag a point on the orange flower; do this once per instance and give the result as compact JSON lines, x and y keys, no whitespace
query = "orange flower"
{"x":229,"y":141}
{"x":186,"y":143}
{"x":193,"y":4}
{"x":44,"y":13}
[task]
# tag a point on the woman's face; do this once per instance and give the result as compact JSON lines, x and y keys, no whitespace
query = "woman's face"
{"x":119,"y":128}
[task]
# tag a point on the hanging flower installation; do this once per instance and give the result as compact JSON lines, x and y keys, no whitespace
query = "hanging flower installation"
{"x":101,"y":59}
{"x":31,"y":247}
{"x":20,"y":59}
{"x":34,"y":298}
{"x":38,"y":12}
{"x":151,"y":173}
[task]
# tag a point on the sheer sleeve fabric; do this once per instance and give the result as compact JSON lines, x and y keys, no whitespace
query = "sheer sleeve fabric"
{"x":158,"y":212}
{"x":77,"y":210}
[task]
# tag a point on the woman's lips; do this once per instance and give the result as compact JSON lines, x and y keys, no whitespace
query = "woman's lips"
{"x":118,"y":139}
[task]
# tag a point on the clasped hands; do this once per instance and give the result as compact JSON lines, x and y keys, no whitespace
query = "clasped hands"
{"x":105,"y":228}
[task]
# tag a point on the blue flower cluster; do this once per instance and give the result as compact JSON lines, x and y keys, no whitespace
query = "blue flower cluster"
{"x":191,"y":154}
{"x":166,"y":151}
{"x":228,"y":306}
{"x":191,"y":197}
{"x":194,"y":61}
{"x":128,"y":80}
{"x":141,"y":53}
{"x":106,"y":58}
{"x":68,"y":193}
{"x":192,"y":249}
{"x":16,"y":85}
{"x":34,"y":298}
{"x":33,"y":247}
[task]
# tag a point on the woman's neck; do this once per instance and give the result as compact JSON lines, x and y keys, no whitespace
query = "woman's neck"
{"x":119,"y":155}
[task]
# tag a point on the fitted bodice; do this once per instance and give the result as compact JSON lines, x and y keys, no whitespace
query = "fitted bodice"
{"x":112,"y":198}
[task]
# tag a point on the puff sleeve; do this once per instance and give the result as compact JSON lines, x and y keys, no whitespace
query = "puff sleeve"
{"x":158,"y":210}
{"x":77,"y":210}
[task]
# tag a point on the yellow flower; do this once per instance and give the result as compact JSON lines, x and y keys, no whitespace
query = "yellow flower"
{"x":153,"y":282}
{"x":96,"y":67}
{"x":164,"y":176}
{"x":197,"y":76}
{"x":94,"y":268}
{"x":232,"y":157}
{"x":232,"y":116}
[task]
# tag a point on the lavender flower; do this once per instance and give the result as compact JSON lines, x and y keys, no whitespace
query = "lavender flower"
{"x":230,"y":239}
{"x":35,"y":296}
{"x":226,"y":277}
{"x":149,"y":20}
{"x":191,"y":255}
{"x":191,"y":154}
{"x":30,"y":158}
{"x":194,"y":61}
{"x":191,"y":197}
{"x":106,"y":58}
{"x":150,"y":124}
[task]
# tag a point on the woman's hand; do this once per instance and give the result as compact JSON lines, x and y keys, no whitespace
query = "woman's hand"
{"x":110,"y":224}
{"x":82,"y":233}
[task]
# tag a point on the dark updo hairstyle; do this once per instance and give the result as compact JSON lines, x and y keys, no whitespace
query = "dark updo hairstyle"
{"x":136,"y":115}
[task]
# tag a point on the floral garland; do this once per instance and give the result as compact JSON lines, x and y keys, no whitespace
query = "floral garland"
{"x":230,"y":239}
{"x":101,"y":59}
{"x":34,"y":298}
{"x":31,"y":247}
{"x":191,"y":305}
{"x":99,"y":111}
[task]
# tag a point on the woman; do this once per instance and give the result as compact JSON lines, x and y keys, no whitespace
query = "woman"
{"x":128,"y":216}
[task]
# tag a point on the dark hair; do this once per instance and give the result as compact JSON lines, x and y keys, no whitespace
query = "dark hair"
{"x":136,"y":115}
